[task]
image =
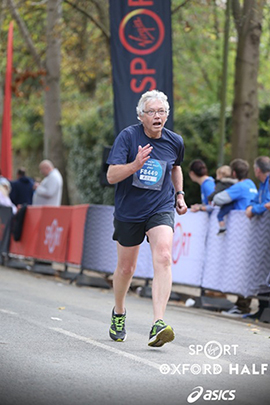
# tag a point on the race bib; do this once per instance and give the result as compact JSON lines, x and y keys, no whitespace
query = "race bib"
{"x":151,"y":175}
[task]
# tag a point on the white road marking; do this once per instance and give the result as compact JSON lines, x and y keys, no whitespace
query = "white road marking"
{"x":108,"y":348}
{"x":96,"y":343}
{"x":5,"y":311}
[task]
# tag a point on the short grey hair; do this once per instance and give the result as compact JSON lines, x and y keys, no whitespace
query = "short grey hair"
{"x":263,"y":163}
{"x":152,"y":95}
{"x":47,"y":163}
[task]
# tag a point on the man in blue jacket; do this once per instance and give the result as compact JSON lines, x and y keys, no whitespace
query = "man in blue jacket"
{"x":262,"y":172}
{"x":258,"y":207}
{"x":22,"y":189}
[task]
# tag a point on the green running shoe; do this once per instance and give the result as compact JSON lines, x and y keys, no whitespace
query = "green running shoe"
{"x":117,"y":330}
{"x":160,"y":334}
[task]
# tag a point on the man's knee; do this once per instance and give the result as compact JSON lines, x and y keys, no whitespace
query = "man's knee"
{"x":126,"y":270}
{"x":163,"y":256}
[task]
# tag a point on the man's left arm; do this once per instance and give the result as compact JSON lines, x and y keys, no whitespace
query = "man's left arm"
{"x":256,"y":208}
{"x":177,"y":179}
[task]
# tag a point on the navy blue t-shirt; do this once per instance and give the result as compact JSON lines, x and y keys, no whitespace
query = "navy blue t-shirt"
{"x":150,"y":190}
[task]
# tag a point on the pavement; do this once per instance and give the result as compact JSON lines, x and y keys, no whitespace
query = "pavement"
{"x":55,"y":350}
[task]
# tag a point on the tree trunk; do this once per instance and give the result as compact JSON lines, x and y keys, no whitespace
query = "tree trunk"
{"x":248,"y":20}
{"x":53,"y":140}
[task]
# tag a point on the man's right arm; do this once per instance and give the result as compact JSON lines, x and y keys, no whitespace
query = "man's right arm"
{"x":222,"y":198}
{"x":117,"y":173}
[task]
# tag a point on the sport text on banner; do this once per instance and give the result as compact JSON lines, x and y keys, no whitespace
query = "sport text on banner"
{"x":141,"y":55}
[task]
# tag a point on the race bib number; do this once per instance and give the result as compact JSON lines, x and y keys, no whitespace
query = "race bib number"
{"x":151,"y":175}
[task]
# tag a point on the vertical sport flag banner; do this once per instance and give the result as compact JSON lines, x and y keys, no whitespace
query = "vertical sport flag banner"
{"x":141,"y":50}
{"x":6,"y":149}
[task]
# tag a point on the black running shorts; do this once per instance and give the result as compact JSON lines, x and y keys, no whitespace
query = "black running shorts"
{"x":133,"y":233}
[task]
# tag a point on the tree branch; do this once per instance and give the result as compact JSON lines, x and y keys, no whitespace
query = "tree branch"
{"x":103,"y":29}
{"x":39,"y":3}
{"x":181,"y":5}
{"x":25,"y":33}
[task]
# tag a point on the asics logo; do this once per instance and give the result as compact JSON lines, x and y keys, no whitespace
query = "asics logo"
{"x":210,"y":395}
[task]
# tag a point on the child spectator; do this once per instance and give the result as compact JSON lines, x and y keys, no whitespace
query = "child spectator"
{"x":223,"y":181}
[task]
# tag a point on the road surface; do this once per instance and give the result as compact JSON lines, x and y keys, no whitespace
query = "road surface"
{"x":55,"y":350}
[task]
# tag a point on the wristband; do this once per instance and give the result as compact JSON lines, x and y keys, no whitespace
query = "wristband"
{"x":180,"y":192}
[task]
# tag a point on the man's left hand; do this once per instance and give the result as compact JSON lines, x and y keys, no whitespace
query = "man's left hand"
{"x":181,"y":207}
{"x":249,"y":212}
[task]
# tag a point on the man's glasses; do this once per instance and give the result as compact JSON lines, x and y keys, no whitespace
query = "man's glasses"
{"x":151,"y":113}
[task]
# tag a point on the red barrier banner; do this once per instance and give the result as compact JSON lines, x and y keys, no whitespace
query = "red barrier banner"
{"x":45,"y":234}
{"x":53,"y":234}
{"x":76,"y":235}
{"x":27,"y":245}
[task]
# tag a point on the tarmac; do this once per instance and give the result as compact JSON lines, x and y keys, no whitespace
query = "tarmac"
{"x":55,"y":348}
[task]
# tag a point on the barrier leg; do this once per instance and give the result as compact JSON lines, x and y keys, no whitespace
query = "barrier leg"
{"x":16,"y":263}
{"x":84,"y":280}
{"x":68,"y":275}
{"x":43,"y":267}
{"x":212,"y":303}
{"x":265,"y":301}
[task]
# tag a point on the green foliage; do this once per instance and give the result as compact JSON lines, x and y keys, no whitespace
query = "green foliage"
{"x":27,"y":127}
{"x":264,"y":130}
{"x":86,"y":87}
{"x":198,"y":33}
{"x":85,"y":158}
{"x":200,"y":134}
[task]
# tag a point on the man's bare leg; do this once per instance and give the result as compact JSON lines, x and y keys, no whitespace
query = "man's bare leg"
{"x":126,"y":266}
{"x":160,"y":238}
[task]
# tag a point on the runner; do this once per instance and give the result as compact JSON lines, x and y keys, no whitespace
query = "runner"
{"x":144,"y":163}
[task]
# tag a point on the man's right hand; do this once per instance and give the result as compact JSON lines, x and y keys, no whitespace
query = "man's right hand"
{"x":143,"y":155}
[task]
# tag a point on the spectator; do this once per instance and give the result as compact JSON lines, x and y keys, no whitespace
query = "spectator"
{"x":240,"y":194}
{"x":258,"y":206}
{"x":49,"y":191}
{"x":4,"y":194}
{"x":199,"y":174}
{"x":262,"y":172}
{"x":223,"y":181}
{"x":22,"y":189}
